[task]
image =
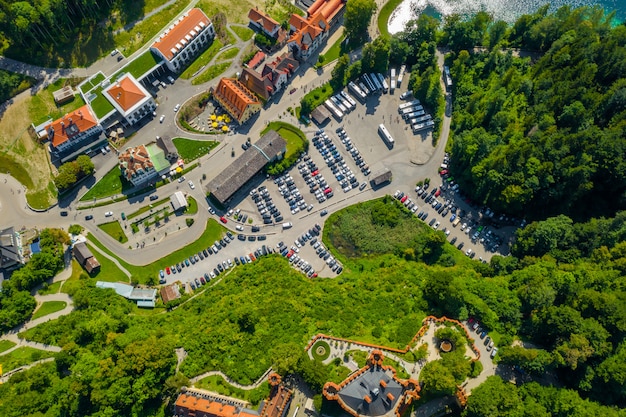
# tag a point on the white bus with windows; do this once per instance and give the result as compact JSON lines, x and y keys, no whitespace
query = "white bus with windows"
{"x":384,"y":133}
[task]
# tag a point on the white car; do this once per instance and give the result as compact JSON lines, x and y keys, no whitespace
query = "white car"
{"x":108,"y":214}
{"x":176,"y":107}
{"x":239,"y":227}
{"x":191,"y":185}
{"x":162,"y":118}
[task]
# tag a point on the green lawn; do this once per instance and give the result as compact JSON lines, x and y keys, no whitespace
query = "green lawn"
{"x":212,"y":232}
{"x":108,"y":270}
{"x":49,"y":307}
{"x":204,"y":58}
{"x":100,"y":105}
{"x":296,"y":144}
{"x":245,"y":34}
{"x":217,"y":384}
{"x":108,"y":186}
{"x":335,"y":50}
{"x":73,"y":281}
{"x":42,"y":106}
{"x":22,"y":356}
{"x":114,"y":229}
{"x":52,"y":288}
{"x":140,"y":65}
{"x":210,"y":73}
{"x":317,"y":96}
{"x":94,"y":81}
{"x":383,"y":16}
{"x":192,"y":206}
{"x":134,"y":38}
{"x":228,"y":54}
{"x":190,"y":149}
{"x":6,"y":345}
{"x":147,"y":208}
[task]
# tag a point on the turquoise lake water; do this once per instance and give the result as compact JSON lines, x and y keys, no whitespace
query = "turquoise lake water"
{"x":507,"y":10}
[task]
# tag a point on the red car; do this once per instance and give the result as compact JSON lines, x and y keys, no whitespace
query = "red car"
{"x":223,"y":220}
{"x":168,"y":270}
{"x":314,"y":275}
{"x":443,"y":172}
{"x":314,"y":173}
{"x":438,"y":193}
{"x":404,"y":198}
{"x":328,"y":190}
{"x":252,"y":257}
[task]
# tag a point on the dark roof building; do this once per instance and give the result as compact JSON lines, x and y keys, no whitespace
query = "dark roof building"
{"x":84,"y":257}
{"x":381,"y":177}
{"x":373,"y":390}
{"x":272,"y":78}
{"x":320,"y":115}
{"x":270,"y":147}
{"x":168,"y":147}
{"x":10,"y":248}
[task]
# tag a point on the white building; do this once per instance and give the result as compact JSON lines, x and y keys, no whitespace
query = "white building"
{"x":184,"y":40}
{"x":130,"y":99}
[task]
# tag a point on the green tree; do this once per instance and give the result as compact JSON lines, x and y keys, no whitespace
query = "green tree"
{"x":493,"y":398}
{"x":376,"y":56}
{"x":437,"y":379}
{"x":85,"y":165}
{"x":357,"y":18}
{"x":339,"y":73}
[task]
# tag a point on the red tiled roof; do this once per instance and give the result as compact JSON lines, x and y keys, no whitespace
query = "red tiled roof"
{"x":256,"y":60}
{"x":235,"y":96}
{"x":278,"y":401}
{"x":328,"y":8}
{"x":126,"y":93}
{"x":262,"y":19}
{"x":307,"y":30}
{"x":61,"y":130}
{"x":176,"y":35}
{"x":133,"y":160}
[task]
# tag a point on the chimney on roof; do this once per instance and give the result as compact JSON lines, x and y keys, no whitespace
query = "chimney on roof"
{"x":119,"y":94}
{"x":62,"y":126}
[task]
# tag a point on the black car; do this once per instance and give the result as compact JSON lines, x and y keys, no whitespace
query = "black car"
{"x":220,"y":267}
{"x":262,"y":237}
{"x":241,"y":237}
{"x":216,"y":271}
{"x":154,"y":197}
{"x":205,"y":252}
{"x":255,"y":228}
{"x":251,"y":238}
{"x":230,"y":235}
{"x":237,"y":260}
{"x":88,"y":217}
{"x":64,"y":213}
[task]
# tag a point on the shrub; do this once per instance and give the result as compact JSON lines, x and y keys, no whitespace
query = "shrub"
{"x":189,"y":222}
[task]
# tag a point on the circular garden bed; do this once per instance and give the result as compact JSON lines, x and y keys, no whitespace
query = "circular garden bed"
{"x":320,"y":350}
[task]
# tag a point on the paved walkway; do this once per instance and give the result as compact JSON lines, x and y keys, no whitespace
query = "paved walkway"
{"x":4,"y":378}
{"x":256,"y":384}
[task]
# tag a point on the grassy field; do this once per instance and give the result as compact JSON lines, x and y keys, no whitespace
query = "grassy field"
{"x":114,"y":229}
{"x":204,"y":58}
{"x":295,"y":137}
{"x":385,"y":13}
{"x":6,"y":345}
{"x":190,"y":149}
{"x":217,"y":384}
{"x":236,"y":11}
{"x":228,"y":54}
{"x":73,"y":280}
{"x":108,"y":186}
{"x":211,"y":72}
{"x":212,"y":232}
{"x":245,"y":34}
{"x":49,"y":307}
{"x":22,"y":356}
{"x":192,"y":206}
{"x":52,"y":288}
{"x":100,"y":105}
{"x":140,"y":65}
{"x":335,"y":50}
{"x":91,"y":83}
{"x":129,"y":41}
{"x":108,"y":270}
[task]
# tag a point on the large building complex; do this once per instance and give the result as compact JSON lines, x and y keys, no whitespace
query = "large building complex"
{"x":73,"y":134}
{"x":131,"y":100}
{"x":373,"y":390}
{"x":270,"y":147}
{"x":143,"y":163}
{"x":273,"y":77}
{"x":310,"y":32}
{"x":236,"y":99}
{"x":199,"y":403}
{"x":184,"y":40}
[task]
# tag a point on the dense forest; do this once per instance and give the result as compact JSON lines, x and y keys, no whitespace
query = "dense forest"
{"x":543,"y":137}
{"x":12,"y":84}
{"x":573,"y":314}
{"x":44,"y":32}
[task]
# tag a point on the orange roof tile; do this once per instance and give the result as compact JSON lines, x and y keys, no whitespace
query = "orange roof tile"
{"x":235,"y":96}
{"x":126,"y":93}
{"x":80,"y":120}
{"x":259,"y":17}
{"x":329,"y":8}
{"x":176,"y":33}
{"x":307,"y":30}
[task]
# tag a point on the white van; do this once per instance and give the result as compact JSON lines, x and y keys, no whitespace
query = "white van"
{"x":287,"y":225}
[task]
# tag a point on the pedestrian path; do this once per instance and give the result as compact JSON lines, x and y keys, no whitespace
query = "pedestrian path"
{"x":256,"y":384}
